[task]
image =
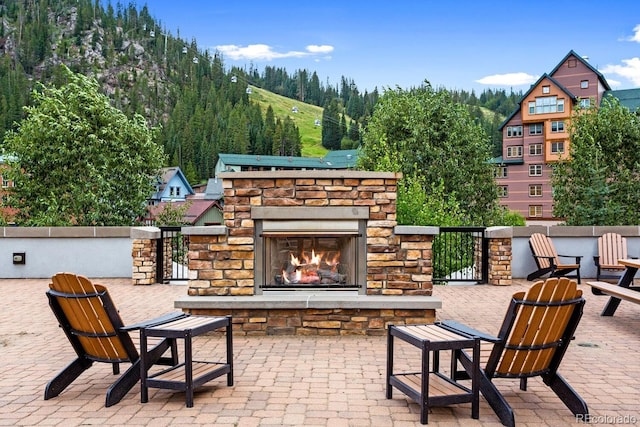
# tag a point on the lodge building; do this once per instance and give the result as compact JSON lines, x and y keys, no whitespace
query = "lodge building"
{"x":536,"y":134}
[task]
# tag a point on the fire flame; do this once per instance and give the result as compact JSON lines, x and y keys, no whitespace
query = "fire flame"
{"x":307,"y":270}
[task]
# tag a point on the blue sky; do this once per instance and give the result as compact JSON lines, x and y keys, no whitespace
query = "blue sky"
{"x":457,"y":45}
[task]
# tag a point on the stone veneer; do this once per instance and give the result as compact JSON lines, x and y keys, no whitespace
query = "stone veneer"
{"x":222,"y":259}
{"x":397,"y":262}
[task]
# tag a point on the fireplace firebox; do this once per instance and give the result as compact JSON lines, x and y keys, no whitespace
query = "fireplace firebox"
{"x":310,"y":255}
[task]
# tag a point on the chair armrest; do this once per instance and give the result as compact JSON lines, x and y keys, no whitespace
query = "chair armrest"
{"x":596,"y":260}
{"x":577,"y":257}
{"x":454,"y":326}
{"x":165,"y":318}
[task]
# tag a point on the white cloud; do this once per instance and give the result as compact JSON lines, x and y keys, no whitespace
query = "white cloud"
{"x":509,"y":79}
{"x":614,"y":83}
{"x":264,"y":52}
{"x":636,"y":36}
{"x":320,"y":49}
{"x":630,"y":69}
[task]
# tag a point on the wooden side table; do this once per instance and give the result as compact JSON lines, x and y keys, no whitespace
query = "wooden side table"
{"x":428,"y":386}
{"x":190,"y":374}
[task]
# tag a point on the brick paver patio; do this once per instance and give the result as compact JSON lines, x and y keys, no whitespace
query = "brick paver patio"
{"x":303,"y":381}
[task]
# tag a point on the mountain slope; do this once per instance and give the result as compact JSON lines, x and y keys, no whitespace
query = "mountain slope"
{"x":303,"y":115}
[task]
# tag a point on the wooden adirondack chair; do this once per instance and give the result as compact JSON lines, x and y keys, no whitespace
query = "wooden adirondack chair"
{"x":532,"y":341}
{"x":548,"y":260}
{"x":94,"y":328}
{"x":611,"y":248}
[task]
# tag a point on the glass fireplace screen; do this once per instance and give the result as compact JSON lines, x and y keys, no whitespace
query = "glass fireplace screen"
{"x":310,"y":261}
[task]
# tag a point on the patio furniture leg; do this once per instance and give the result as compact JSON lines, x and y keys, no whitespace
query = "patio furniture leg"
{"x":121,"y":387}
{"x":66,"y":377}
{"x":497,"y":401}
{"x":566,"y":393}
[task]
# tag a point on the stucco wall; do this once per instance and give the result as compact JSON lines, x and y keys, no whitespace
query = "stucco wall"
{"x":106,"y":251}
{"x":90,"y":251}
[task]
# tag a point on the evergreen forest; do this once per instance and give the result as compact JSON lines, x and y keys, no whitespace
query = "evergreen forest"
{"x":200,"y":107}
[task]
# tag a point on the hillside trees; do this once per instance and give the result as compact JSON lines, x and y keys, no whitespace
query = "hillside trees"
{"x":76,"y":160}
{"x":439,"y":149}
{"x":599,"y":183}
{"x":331,"y":127}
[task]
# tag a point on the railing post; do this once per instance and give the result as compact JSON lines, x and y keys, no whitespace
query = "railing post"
{"x":144,"y":254}
{"x":500,"y":255}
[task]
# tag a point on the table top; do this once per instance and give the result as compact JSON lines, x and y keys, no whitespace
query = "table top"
{"x":190,"y":325}
{"x":434,"y":334}
{"x":632,"y":263}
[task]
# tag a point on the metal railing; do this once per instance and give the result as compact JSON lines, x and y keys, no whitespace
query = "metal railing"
{"x":173,"y":255}
{"x":460,"y":254}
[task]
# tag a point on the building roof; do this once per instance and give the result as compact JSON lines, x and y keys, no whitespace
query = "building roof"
{"x":214,"y":190}
{"x":586,"y":63}
{"x":197,"y":208}
{"x":339,"y":159}
{"x":550,"y":77}
{"x":629,"y":98}
{"x":500,"y":161}
{"x":533,"y":86}
{"x":166,"y":175}
{"x":342,"y":159}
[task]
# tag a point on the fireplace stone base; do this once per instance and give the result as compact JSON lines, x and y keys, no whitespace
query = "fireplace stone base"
{"x":314,"y":313}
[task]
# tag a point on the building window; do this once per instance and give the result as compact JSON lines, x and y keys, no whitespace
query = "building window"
{"x":535,"y":129}
{"x":535,"y":150}
{"x":584,"y":84}
{"x":557,"y":127}
{"x":535,"y":211}
{"x":535,"y":190}
{"x":535,"y":170}
{"x":585,"y":103}
{"x":501,"y":172}
{"x":546,"y":104}
{"x":177,"y":191}
{"x":515,"y":151}
{"x":503,"y":191}
{"x":557,"y":147}
{"x":5,"y":183}
{"x":546,"y":89}
{"x":514,"y":131}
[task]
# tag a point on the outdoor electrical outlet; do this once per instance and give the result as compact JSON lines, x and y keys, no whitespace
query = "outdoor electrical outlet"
{"x":19,"y":258}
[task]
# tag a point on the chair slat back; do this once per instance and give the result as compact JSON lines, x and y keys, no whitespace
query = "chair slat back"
{"x":541,"y":245}
{"x":542,"y":318}
{"x":611,"y":248}
{"x":83,"y":305}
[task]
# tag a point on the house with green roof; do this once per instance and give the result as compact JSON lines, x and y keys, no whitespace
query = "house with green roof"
{"x":334,"y":160}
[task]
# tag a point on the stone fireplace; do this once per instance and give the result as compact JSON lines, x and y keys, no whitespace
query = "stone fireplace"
{"x":311,"y":252}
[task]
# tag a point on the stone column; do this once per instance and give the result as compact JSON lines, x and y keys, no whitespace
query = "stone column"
{"x":144,"y":254}
{"x":413,"y":274}
{"x":500,"y":255}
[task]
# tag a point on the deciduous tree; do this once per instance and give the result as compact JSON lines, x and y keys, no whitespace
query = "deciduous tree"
{"x":77,"y":160}
{"x":433,"y":141}
{"x":599,"y":183}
